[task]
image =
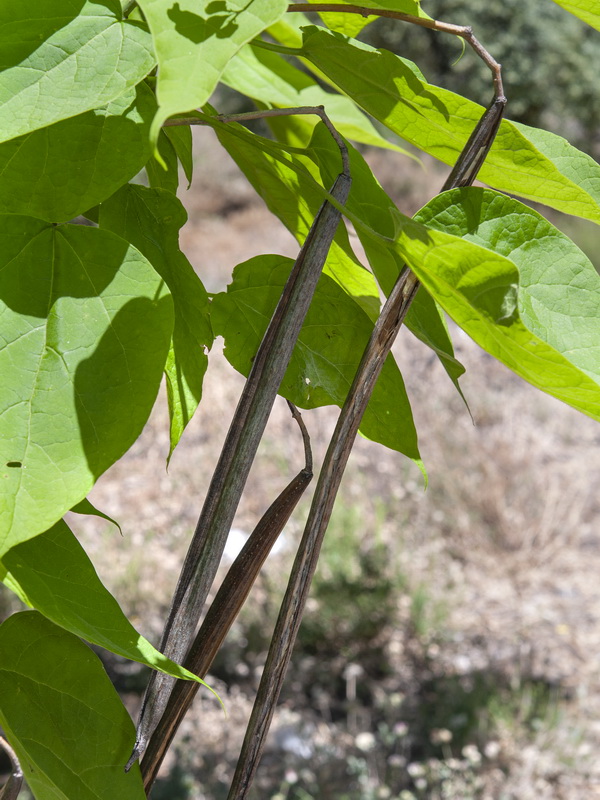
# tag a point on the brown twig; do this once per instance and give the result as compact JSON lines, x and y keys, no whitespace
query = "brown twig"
{"x":464,"y":31}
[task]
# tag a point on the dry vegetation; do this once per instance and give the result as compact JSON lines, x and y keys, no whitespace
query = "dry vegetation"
{"x":452,"y":645}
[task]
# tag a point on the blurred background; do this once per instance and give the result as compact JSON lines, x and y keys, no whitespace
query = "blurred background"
{"x":451,"y":646}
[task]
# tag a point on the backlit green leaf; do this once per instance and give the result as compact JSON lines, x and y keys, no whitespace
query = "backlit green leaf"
{"x":351,"y":24}
{"x":53,"y":574}
{"x":150,"y":219}
{"x":327,"y":354}
{"x":58,"y":172}
{"x":62,"y":58}
{"x":587,"y":10}
{"x":194,"y":40}
{"x":559,"y":288}
{"x":86,"y":324}
{"x":479,"y":288}
{"x":533,"y":164}
{"x":62,"y":715}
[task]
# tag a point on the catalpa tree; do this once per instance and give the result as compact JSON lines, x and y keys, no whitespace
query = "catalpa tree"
{"x":93,"y":315}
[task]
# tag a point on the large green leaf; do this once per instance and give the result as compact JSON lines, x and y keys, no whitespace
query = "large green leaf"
{"x":53,"y":574}
{"x":267,"y":77}
{"x":559,"y":288}
{"x":194,"y":40}
{"x":62,"y":715}
{"x":326,"y":357}
{"x":479,"y":288}
{"x":150,"y":219}
{"x":351,"y":24}
{"x":86,"y":324}
{"x":61,"y":58}
{"x":287,"y":179}
{"x":58,"y":172}
{"x":533,"y":164}
{"x":587,"y":10}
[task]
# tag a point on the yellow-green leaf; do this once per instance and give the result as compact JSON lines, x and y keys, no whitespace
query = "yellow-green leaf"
{"x":52,"y":574}
{"x":85,"y":328}
{"x":60,"y":59}
{"x":194,"y":40}
{"x":587,"y":10}
{"x":534,"y":164}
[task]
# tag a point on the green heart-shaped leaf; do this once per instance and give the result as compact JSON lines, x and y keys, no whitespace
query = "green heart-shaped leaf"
{"x":86,"y":324}
{"x":61,"y":59}
{"x":327,"y":354}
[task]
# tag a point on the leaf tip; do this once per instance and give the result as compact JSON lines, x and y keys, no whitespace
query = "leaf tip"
{"x":421,"y":466}
{"x":155,"y":129}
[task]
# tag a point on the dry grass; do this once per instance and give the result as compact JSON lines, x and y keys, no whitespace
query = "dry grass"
{"x":493,"y":570}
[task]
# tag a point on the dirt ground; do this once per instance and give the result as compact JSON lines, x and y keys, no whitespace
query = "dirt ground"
{"x":504,"y":545}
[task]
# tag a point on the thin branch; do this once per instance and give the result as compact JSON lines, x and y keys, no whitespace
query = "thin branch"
{"x":226,"y":606}
{"x":308,"y":458}
{"x":12,"y":787}
{"x":272,"y":112}
{"x":464,"y":31}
